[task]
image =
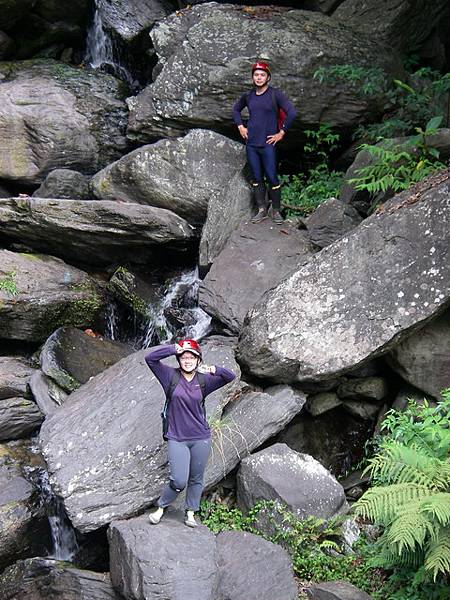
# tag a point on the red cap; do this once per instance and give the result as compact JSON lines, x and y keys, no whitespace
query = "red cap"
{"x":189,"y":346}
{"x":262,"y":66}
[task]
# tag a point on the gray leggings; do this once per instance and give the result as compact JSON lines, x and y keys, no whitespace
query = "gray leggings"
{"x":187,"y":462}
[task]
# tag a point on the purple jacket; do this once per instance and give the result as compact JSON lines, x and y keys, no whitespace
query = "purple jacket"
{"x":186,"y":418}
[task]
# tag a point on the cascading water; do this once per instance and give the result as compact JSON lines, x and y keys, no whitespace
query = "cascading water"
{"x":186,"y":285}
{"x":100,"y":51}
{"x":64,"y":541}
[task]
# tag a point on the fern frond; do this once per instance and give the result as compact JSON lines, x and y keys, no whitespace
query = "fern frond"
{"x":437,"y":557}
{"x":380,"y":504}
{"x":409,"y":530}
{"x":438,"y":507}
{"x":387,"y":557}
{"x":396,"y":463}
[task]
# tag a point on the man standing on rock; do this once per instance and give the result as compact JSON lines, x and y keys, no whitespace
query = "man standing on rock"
{"x":263,"y":131}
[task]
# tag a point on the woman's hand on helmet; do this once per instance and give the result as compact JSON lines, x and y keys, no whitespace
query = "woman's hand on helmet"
{"x":207,"y":369}
{"x":178,"y":349}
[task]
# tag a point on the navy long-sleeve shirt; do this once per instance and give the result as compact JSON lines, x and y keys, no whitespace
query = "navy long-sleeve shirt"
{"x":263,"y":119}
{"x":186,"y":418}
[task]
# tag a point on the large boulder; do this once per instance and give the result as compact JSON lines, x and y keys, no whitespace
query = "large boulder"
{"x":47,"y":579}
{"x":359,"y":297}
{"x":103,"y":472}
{"x":71,"y":357}
{"x":256,"y":258}
{"x":253,"y":568}
{"x":423,"y":360}
{"x":402,"y":25}
{"x":331,"y":221}
{"x":168,"y":561}
{"x":77,"y":118}
{"x":46,"y":393}
{"x":180,"y":175}
{"x":15,"y":373}
{"x":92,"y":231}
{"x":205,"y":66}
{"x":24,"y":529}
{"x":64,"y":183}
{"x":295,"y":480}
{"x":40,"y":293}
{"x":18,"y":418}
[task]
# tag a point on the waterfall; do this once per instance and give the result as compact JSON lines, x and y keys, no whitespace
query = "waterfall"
{"x":112,"y":321}
{"x":100,"y":50}
{"x":65,"y":545}
{"x":187,"y":284}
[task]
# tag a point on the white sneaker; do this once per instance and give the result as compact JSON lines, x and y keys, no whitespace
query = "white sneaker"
{"x":190,"y":520}
{"x":155,"y":517}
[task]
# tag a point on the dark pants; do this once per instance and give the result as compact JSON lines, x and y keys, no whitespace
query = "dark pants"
{"x":263,"y":161}
{"x":187,"y":462}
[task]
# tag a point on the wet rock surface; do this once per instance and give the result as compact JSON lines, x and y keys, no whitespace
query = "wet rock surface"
{"x":358,"y":297}
{"x":180,"y":175}
{"x":256,"y":258}
{"x":95,"y":232}
{"x":41,"y":293}
{"x":18,"y":418}
{"x":15,"y":373}
{"x":46,"y":579}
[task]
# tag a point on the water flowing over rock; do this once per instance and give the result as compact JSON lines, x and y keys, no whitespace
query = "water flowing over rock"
{"x":71,"y":357}
{"x":179,"y":175}
{"x":46,"y":579}
{"x":64,"y":183}
{"x":204,"y":53}
{"x":23,"y":523}
{"x":358,"y":297}
{"x":423,"y":359}
{"x":77,"y":119}
{"x":170,"y":560}
{"x":253,"y":568}
{"x":41,"y":293}
{"x":298,"y":481}
{"x":95,"y":232}
{"x":256,"y":258}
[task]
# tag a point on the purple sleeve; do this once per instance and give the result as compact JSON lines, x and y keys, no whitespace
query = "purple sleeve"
{"x":237,"y":108}
{"x":163,"y":373}
{"x":288,"y":108}
{"x":220,"y":378}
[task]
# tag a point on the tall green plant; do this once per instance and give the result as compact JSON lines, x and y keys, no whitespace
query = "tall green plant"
{"x":411,"y":495}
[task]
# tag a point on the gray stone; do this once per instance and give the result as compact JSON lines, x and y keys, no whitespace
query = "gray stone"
{"x":47,"y":579}
{"x":253,"y":568}
{"x":256,"y":258}
{"x":372,"y":388}
{"x":15,"y":373}
{"x":351,"y":533}
{"x":78,"y":120}
{"x":226,"y":211}
{"x":295,"y":480}
{"x":71,"y":357}
{"x":134,"y":292}
{"x":47,"y":394}
{"x":64,"y":183}
{"x":168,"y":561}
{"x":357,"y":298}
{"x":41,"y":293}
{"x":95,"y":232}
{"x":402,"y":25}
{"x":406,"y":393}
{"x":24,"y":527}
{"x":127,"y":21}
{"x":423,"y":360}
{"x":191,"y":90}
{"x":18,"y":418}
{"x":335,"y":590}
{"x":321,"y":403}
{"x":179,"y":175}
{"x":331,"y":221}
{"x":361,"y":409}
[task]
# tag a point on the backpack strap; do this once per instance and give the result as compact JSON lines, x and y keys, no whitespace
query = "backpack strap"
{"x":202,"y":382}
{"x":274,"y":100}
{"x":173,"y":384}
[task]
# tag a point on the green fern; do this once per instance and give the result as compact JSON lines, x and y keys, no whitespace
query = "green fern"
{"x":411,"y":492}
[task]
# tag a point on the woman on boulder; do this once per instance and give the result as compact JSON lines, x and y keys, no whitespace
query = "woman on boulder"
{"x":184,"y":421}
{"x":270,"y":116}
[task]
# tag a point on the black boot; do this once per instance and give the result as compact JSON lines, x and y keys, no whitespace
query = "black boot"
{"x":275,"y":197}
{"x":259,"y":193}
